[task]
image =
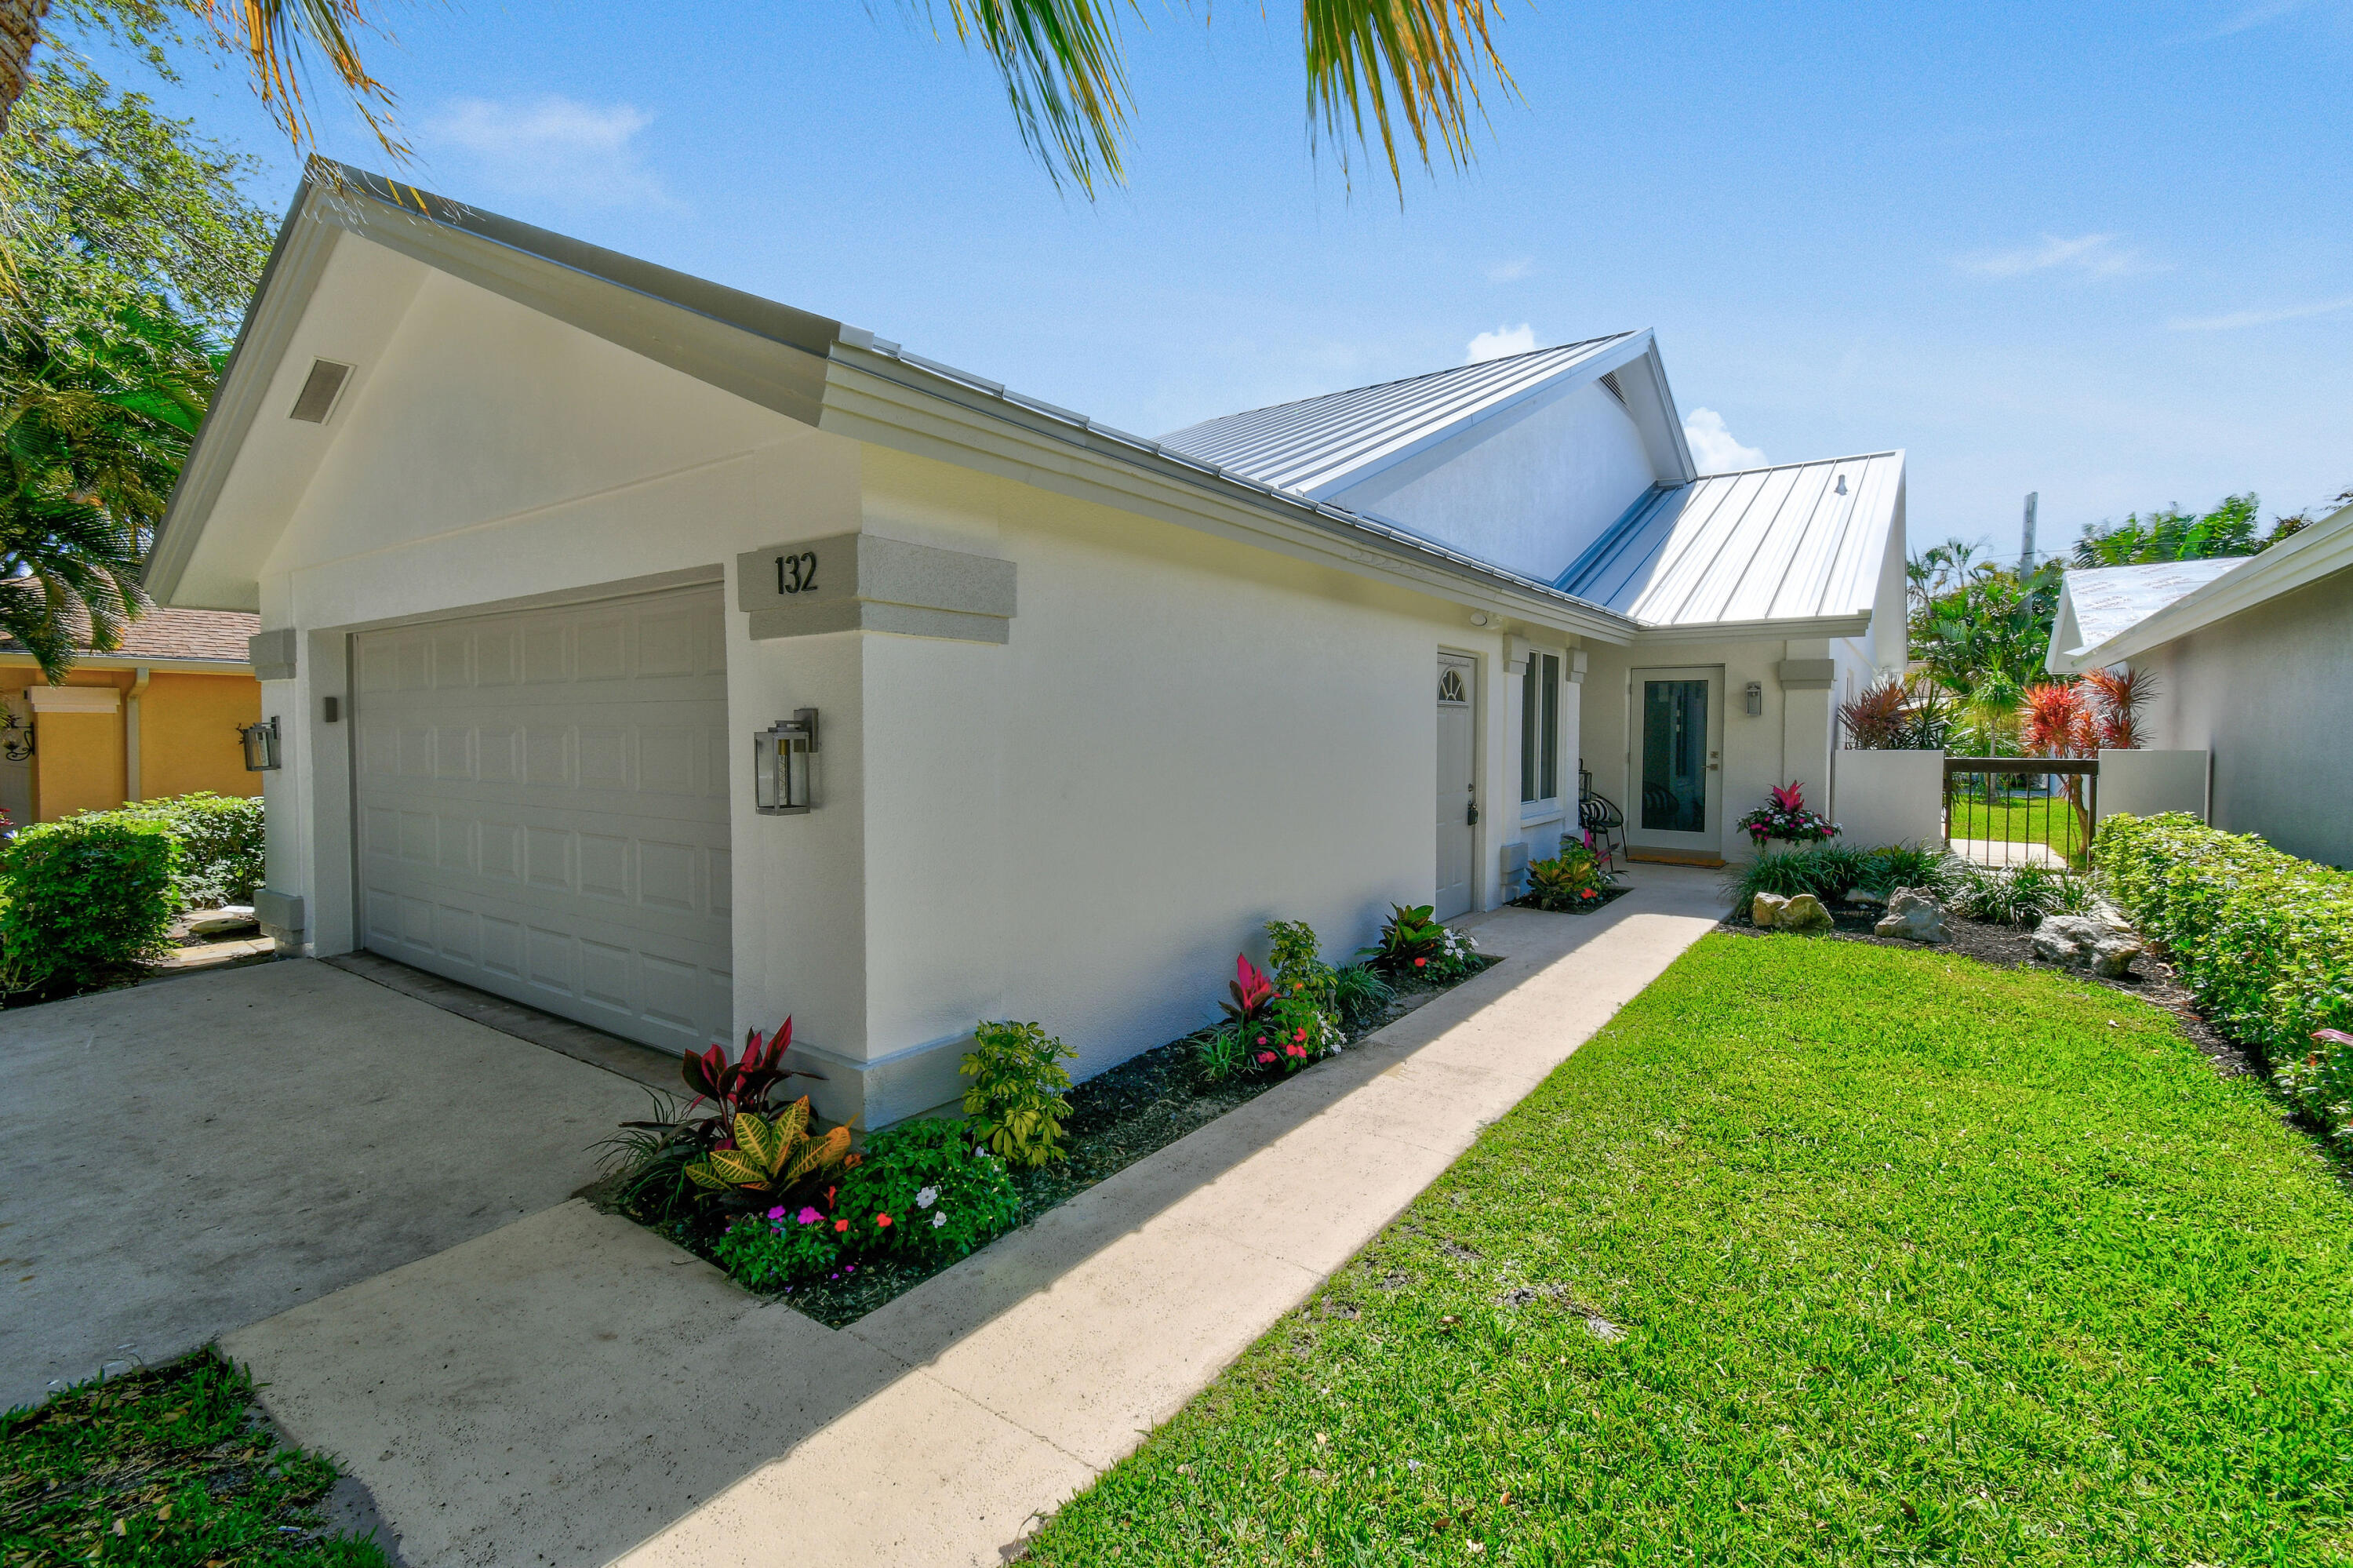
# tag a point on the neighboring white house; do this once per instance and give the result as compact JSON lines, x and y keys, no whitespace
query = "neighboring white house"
{"x":2253,"y":662}
{"x":542,"y":537}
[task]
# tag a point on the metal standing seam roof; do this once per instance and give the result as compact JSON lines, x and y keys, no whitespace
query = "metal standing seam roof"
{"x":1309,"y":446}
{"x":1791,"y":542}
{"x":2109,"y":601}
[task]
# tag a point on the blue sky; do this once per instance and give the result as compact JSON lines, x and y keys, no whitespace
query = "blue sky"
{"x":2100,"y":251}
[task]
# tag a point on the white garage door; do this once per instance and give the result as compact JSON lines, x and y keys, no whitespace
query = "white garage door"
{"x":542,"y":803}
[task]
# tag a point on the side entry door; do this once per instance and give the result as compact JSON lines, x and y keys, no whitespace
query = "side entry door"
{"x":1458,"y":788}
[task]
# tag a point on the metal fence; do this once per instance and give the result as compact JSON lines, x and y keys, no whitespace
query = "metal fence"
{"x":2018,"y":810}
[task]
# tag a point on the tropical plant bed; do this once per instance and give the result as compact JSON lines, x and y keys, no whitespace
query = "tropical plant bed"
{"x":165,"y":1466}
{"x":1116,"y":1119}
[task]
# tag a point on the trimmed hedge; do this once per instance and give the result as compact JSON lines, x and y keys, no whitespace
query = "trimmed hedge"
{"x":220,"y":841}
{"x":84,"y":896}
{"x":2265,"y":939}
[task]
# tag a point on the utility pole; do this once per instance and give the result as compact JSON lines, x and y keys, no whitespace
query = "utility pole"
{"x":2026,"y":537}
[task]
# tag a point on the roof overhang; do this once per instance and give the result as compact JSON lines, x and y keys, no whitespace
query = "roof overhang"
{"x":15,"y":661}
{"x":2322,"y":550}
{"x":809,"y":369}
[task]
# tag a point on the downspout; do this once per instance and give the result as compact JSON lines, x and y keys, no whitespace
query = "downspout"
{"x":138,"y":677}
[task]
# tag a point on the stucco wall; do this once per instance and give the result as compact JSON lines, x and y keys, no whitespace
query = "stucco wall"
{"x":187,"y":734}
{"x":2266,"y":691}
{"x":1530,"y":495}
{"x":1184,"y":738}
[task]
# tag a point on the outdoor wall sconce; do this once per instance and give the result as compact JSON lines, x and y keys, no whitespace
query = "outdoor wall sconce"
{"x":260,"y":744}
{"x":1752,"y":699}
{"x":15,"y":737}
{"x":780,"y":764}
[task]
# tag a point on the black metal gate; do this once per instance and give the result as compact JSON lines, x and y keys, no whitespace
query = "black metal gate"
{"x":2019,"y":810}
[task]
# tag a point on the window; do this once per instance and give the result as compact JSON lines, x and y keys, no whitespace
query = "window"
{"x":1540,"y":728}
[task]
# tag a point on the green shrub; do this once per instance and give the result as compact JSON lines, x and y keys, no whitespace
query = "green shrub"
{"x":1575,"y":880}
{"x":2264,"y":939}
{"x":1015,"y":1100}
{"x":1414,"y":946}
{"x":220,"y":842}
{"x":780,"y":1248}
{"x":84,"y":896}
{"x":1360,"y":993}
{"x":922,"y":1190}
{"x":2016,"y":895}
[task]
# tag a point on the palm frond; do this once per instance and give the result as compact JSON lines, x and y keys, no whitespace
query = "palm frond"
{"x":1063,"y":78}
{"x":1425,"y":55}
{"x":277,"y":39}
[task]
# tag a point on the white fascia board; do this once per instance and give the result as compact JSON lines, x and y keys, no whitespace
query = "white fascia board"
{"x":2320,"y":551}
{"x":1832,"y":626}
{"x":1481,"y":422}
{"x":879,"y":399}
{"x":1664,"y":439}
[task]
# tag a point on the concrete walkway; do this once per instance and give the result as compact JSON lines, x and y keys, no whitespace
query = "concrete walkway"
{"x":570,"y":1389}
{"x":184,"y":1157}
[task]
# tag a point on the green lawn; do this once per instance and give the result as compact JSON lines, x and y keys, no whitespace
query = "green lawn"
{"x":1911,"y":1260}
{"x":2028,"y":821}
{"x":168,"y":1469}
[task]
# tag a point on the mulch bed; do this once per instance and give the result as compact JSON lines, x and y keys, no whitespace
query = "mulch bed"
{"x":1117,"y":1117}
{"x":2152,"y":979}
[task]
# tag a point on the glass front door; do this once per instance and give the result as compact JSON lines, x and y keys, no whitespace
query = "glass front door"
{"x":1677,"y":759}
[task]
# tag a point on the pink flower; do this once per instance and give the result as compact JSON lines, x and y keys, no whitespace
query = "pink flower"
{"x":841,"y":1225}
{"x":1262,"y":1039}
{"x":1294,"y":1050}
{"x":1299,"y":1034}
{"x":778,"y":1212}
{"x":881,"y":1220}
{"x":807,"y":1216}
{"x":1418,"y":962}
{"x":1265,"y":1056}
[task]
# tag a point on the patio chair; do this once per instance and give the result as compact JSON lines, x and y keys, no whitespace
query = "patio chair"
{"x":1604,"y":824}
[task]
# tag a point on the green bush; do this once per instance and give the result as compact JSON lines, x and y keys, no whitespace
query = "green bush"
{"x":1015,"y":1100}
{"x":83,"y":897}
{"x":2264,"y":939}
{"x":922,"y":1189}
{"x":220,"y":842}
{"x":2019,"y":895}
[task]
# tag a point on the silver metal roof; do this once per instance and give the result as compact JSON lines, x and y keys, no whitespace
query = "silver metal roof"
{"x":2109,"y":601}
{"x":1791,"y":541}
{"x":1317,"y":445}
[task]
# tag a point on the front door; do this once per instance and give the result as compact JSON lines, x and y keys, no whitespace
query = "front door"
{"x":1678,"y":761}
{"x":1458,"y":800}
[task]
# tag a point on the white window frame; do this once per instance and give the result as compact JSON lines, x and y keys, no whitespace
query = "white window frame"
{"x":1540,"y":679}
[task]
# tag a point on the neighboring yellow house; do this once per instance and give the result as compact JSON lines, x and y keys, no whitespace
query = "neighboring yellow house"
{"x":157,"y":716}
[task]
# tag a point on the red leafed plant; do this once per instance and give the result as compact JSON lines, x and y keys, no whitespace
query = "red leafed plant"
{"x":2055,"y":721}
{"x":1784,"y":816}
{"x":1251,"y":987}
{"x":2117,"y":697}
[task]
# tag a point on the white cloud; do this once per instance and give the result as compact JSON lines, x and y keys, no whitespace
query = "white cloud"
{"x":1511,"y":271}
{"x":2093,"y":255}
{"x":2233,"y":320}
{"x":1501,"y":342}
{"x":1713,"y":447}
{"x":552,"y":147}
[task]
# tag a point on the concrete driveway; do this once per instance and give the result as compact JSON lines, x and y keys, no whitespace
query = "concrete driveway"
{"x":187,"y":1156}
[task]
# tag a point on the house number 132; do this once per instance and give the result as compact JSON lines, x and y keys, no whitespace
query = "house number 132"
{"x":797,"y":573}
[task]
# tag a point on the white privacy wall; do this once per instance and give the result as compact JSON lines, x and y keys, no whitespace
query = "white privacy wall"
{"x":1888,"y":797}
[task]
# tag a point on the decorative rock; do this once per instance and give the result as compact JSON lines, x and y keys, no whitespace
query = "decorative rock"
{"x":1766,"y":911}
{"x":1805,"y":913}
{"x":1913,"y":914}
{"x":220,"y":922}
{"x":2079,"y":942}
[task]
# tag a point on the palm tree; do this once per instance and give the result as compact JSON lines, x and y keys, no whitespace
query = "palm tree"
{"x":1410,"y":66}
{"x":94,"y":424}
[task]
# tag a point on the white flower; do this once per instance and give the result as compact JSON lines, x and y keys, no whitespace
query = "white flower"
{"x":927,"y":1197}
{"x":939,"y":1218}
{"x":1413,"y":1464}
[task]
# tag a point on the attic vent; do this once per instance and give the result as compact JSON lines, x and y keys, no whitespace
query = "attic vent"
{"x":319,"y":393}
{"x":1609,"y":384}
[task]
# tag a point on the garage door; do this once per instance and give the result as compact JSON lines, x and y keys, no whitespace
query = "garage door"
{"x":542,"y":802}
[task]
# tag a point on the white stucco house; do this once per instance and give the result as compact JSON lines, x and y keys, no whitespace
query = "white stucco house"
{"x":2253,"y":661}
{"x":542,"y":537}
